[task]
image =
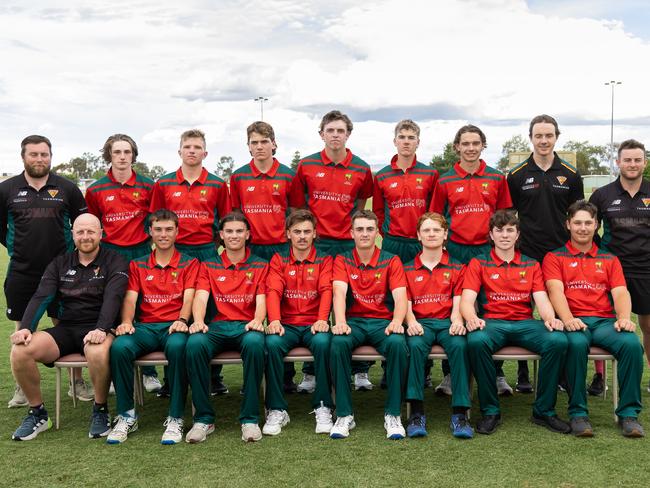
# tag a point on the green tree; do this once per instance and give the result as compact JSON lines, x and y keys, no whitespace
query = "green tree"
{"x":590,"y":160}
{"x":81,"y":167}
{"x":516,"y":143}
{"x":155,"y":172}
{"x":443,"y":162}
{"x":295,"y":160}
{"x":225,"y":167}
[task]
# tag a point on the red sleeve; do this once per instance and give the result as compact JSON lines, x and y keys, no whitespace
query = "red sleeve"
{"x":538,"y":279}
{"x":439,"y":198}
{"x":325,"y":289}
{"x":366,"y":189}
{"x":503,"y":198}
{"x":203,"y":281}
{"x":93,"y":204}
{"x":235,"y":200}
{"x":472,"y":279}
{"x":616,"y":277}
{"x":261,"y":284}
{"x":397,"y":278}
{"x":134,"y":278}
{"x":191,"y":274}
{"x":223,"y":201}
{"x":552,"y":267}
{"x":378,"y":205}
{"x":339,"y":273}
{"x":458,"y":283}
{"x":274,"y":288}
{"x":297,"y":190}
{"x":157,"y":198}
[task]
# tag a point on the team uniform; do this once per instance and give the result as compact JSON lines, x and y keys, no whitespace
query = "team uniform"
{"x":368,"y":313}
{"x":330,"y":190}
{"x":263,"y":198}
{"x":399,"y":198}
{"x":35,"y":227}
{"x":541,"y":199}
{"x":467,"y":201}
{"x":234,"y":288}
{"x":504,"y":297}
{"x":298,"y":293}
{"x":160,"y":299}
{"x":588,"y":278}
{"x":626,"y":234}
{"x":122,"y":210}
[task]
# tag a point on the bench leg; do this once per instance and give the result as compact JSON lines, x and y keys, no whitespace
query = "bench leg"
{"x":605,"y":380}
{"x":74,"y":387}
{"x":57,"y":398}
{"x":615,"y":386}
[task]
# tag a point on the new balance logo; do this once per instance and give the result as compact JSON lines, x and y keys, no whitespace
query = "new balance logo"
{"x":292,"y":272}
{"x":149,"y":278}
{"x":250,"y":188}
{"x":616,"y":202}
{"x":110,"y":198}
{"x":529,"y":181}
{"x":460,"y":189}
{"x":221,"y":278}
{"x":495,"y":276}
{"x":176,"y":194}
{"x":354,"y":276}
{"x":320,"y":175}
{"x":22,"y":193}
{"x":393,"y":185}
{"x":419,"y":278}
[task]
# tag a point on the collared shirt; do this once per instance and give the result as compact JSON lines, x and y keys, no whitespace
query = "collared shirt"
{"x":299,"y":292}
{"x":541,"y":199}
{"x":161,"y":288}
{"x":122,"y":208}
{"x":431,"y":291}
{"x":587,"y":277}
{"x":370,"y":285}
{"x":626,"y":225}
{"x":234,"y":287}
{"x":264,"y":199}
{"x":468,"y":200}
{"x":199,"y":205}
{"x":331,"y":190}
{"x":36,"y":225}
{"x":400,"y":197}
{"x":504,"y":288}
{"x":86,"y":295}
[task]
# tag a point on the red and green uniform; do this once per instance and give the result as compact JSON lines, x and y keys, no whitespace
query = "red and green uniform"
{"x":588,"y":279}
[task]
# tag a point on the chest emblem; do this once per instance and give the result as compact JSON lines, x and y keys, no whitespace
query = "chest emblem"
{"x":136,"y":194}
{"x":276,"y":189}
{"x":310,"y":273}
{"x":418,"y":183}
{"x":378,"y":276}
{"x":174,"y":275}
{"x":561,"y":179}
{"x":53,"y":193}
{"x":485,"y":186}
{"x":446,"y":276}
{"x":599,"y":266}
{"x":348,"y":178}
{"x":495,"y":276}
{"x":646,"y":201}
{"x":522,"y":277}
{"x":249,"y":277}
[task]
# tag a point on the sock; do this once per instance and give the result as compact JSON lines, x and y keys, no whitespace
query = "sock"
{"x":100,"y":407}
{"x":458,"y":410}
{"x":599,"y":366}
{"x":417,"y":407}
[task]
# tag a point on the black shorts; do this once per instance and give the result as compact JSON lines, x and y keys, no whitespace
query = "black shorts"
{"x":640,"y":292}
{"x":19,"y":289}
{"x":69,"y":339}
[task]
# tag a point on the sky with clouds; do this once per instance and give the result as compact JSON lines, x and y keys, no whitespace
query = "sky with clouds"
{"x":82,"y":70}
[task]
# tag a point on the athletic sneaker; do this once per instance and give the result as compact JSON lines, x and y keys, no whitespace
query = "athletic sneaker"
{"x":199,"y":432}
{"x":84,"y":391}
{"x":444,"y":388}
{"x":631,"y":427}
{"x":174,"y":431}
{"x":275,"y":420}
{"x":19,"y":399}
{"x":581,"y":427}
{"x":308,"y":384}
{"x":151,"y":383}
{"x":342,"y":427}
{"x":100,"y":422}
{"x":252,"y":432}
{"x":164,"y":391}
{"x":552,"y":423}
{"x":417,"y":425}
{"x":124,"y":425}
{"x":503,"y":388}
{"x":460,"y":427}
{"x":523,"y":383}
{"x":597,"y":386}
{"x":324,"y":422}
{"x":394,"y":428}
{"x":218,"y":387}
{"x":34,"y":423}
{"x":427,"y":380}
{"x":361,"y":382}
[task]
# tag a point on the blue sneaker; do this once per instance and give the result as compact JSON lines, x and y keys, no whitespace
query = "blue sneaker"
{"x":100,"y":423}
{"x":35,"y":422}
{"x":460,"y":427}
{"x":417,"y":426}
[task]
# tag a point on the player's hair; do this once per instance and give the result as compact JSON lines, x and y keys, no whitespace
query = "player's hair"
{"x":234,"y":216}
{"x":108,"y":146}
{"x":262,"y":128}
{"x":365,"y":214}
{"x":630,"y":144}
{"x":163,"y":214}
{"x":299,"y":216}
{"x":193,"y":133}
{"x":34,"y":139}
{"x":470,"y":128}
{"x":407,"y":124}
{"x":501,"y":218}
{"x":578,"y":205}
{"x":436,"y":217}
{"x":334,"y":115}
{"x":543,"y":119}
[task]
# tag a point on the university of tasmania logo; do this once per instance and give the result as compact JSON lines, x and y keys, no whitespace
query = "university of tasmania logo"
{"x":599,"y":266}
{"x":136,"y":194}
{"x":53,"y":193}
{"x":174,"y":276}
{"x":418,"y":183}
{"x":310,"y":273}
{"x":378,"y":276}
{"x":348,"y":178}
{"x":249,"y":276}
{"x":522,"y":277}
{"x":561,"y":179}
{"x":485,"y":186}
{"x":276,"y":188}
{"x":646,"y":201}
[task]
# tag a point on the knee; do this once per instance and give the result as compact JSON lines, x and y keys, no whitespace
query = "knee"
{"x":197,"y":345}
{"x":20,"y":353}
{"x":417,"y":345}
{"x":120,"y":350}
{"x":557,"y":342}
{"x":630,"y":344}
{"x":478,"y":340}
{"x":253,"y":343}
{"x":274,"y":343}
{"x":97,"y":353}
{"x":456,"y":344}
{"x":396,"y":343}
{"x":175,"y":347}
{"x":577,"y":342}
{"x":341,"y":346}
{"x":321,"y":341}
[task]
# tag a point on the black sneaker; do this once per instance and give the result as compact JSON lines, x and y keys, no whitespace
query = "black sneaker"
{"x":289,"y":387}
{"x":631,"y":427}
{"x":164,"y":391}
{"x":488,"y":424}
{"x":218,"y":387}
{"x":100,"y":423}
{"x":597,"y":386}
{"x":382,"y":384}
{"x":427,"y":381}
{"x":581,"y":427}
{"x":523,"y":383}
{"x":552,"y":423}
{"x":35,"y":422}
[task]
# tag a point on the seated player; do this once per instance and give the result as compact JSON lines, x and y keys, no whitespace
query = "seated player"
{"x":588,"y":290}
{"x":433,"y":317}
{"x":370,"y":302}
{"x":236,"y":280}
{"x":505,"y":281}
{"x":89,"y":285}
{"x":299,"y":299}
{"x":161,"y":289}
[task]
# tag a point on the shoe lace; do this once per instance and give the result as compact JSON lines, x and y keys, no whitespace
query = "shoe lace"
{"x":323,"y":414}
{"x":174,"y":425}
{"x":363,"y":376}
{"x":121,"y":426}
{"x":343,"y":421}
{"x":417,"y":420}
{"x":393,"y":421}
{"x":31,"y":420}
{"x":275,"y":417}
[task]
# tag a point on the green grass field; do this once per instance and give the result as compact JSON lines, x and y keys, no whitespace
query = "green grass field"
{"x":518,"y":454}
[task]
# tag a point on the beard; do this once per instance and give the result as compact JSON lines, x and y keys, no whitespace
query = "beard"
{"x":37,"y":171}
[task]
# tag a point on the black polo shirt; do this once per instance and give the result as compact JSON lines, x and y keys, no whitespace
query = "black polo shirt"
{"x":541,"y":199}
{"x":86,"y":295}
{"x":626,"y":225}
{"x":35,"y":225}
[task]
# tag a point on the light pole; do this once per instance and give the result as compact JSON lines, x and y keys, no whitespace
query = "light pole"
{"x":612,"y":83}
{"x":261,"y":100}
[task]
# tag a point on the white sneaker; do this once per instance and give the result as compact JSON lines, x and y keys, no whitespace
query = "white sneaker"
{"x":199,"y":432}
{"x":151,"y":383}
{"x":444,"y":388}
{"x":503,"y":388}
{"x":342,"y":427}
{"x":174,"y":431}
{"x":19,"y":399}
{"x":324,"y":422}
{"x":252,"y":432}
{"x":308,"y":384}
{"x":361,"y":382}
{"x":85,"y":391}
{"x":275,"y":420}
{"x":124,"y":425}
{"x":394,"y":428}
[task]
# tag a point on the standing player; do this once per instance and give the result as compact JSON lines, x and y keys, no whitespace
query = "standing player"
{"x":236,"y":281}
{"x":37,"y":209}
{"x":159,"y":293}
{"x":299,"y":299}
{"x":623,"y":207}
{"x":370,"y":304}
{"x":587,"y":288}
